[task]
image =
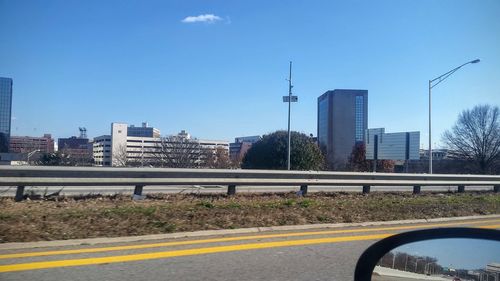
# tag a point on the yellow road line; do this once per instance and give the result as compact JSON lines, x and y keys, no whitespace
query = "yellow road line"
{"x":179,"y":253}
{"x":493,"y":226}
{"x":239,"y":238}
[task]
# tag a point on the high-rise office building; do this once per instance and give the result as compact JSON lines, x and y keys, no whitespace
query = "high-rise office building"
{"x":5,"y":112}
{"x":342,"y":121}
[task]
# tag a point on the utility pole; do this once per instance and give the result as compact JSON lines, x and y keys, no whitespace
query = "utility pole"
{"x":430,"y":131}
{"x":289,"y":109}
{"x":289,"y":99}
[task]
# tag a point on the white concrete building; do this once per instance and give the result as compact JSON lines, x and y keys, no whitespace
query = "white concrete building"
{"x":206,"y":145}
{"x":392,"y":146}
{"x":101,"y":150}
{"x":129,"y":145}
{"x":119,"y":148}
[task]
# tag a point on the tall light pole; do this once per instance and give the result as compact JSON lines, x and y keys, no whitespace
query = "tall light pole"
{"x":31,"y":154}
{"x":289,"y":99}
{"x":431,"y":85}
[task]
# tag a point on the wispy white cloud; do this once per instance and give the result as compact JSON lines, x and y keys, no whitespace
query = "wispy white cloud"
{"x":209,"y":18}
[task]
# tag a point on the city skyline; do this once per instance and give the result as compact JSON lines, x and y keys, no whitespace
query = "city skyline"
{"x":218,"y":69}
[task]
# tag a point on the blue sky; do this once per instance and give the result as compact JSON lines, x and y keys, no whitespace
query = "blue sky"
{"x":456,"y":252}
{"x":90,"y":63}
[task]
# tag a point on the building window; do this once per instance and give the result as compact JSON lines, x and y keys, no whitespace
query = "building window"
{"x":323,"y":122}
{"x":359,"y":117}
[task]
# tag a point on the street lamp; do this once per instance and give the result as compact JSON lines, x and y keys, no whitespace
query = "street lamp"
{"x":431,"y":85}
{"x":31,"y":154}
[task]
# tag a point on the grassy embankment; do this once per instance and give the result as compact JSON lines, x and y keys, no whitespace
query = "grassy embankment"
{"x":108,"y":216}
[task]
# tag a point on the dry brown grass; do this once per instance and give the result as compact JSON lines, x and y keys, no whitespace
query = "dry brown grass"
{"x":108,"y":216}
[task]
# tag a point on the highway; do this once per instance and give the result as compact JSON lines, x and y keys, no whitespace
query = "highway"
{"x":301,"y":254}
{"x":76,"y":190}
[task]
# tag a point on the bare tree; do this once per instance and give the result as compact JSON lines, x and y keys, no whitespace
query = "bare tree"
{"x":236,"y":161}
{"x":218,"y":158}
{"x":359,"y":163}
{"x":120,"y":157}
{"x":79,"y":159}
{"x":357,"y":160}
{"x":78,"y":156}
{"x":177,"y":152}
{"x":475,"y":137}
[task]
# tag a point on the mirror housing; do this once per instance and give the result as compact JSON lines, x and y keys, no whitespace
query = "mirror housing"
{"x":370,"y":257}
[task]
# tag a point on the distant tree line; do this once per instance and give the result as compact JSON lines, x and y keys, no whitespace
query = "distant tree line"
{"x":411,"y":263}
{"x":63,"y":158}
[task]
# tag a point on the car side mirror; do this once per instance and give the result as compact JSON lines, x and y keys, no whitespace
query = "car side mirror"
{"x":447,"y":254}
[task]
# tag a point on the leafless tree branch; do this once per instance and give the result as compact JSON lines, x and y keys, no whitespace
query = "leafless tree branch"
{"x":476,"y":137}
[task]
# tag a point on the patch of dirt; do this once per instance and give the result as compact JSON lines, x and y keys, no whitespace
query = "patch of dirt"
{"x":117,"y":215}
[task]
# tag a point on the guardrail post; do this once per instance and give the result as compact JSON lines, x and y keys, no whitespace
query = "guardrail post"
{"x":231,"y":189}
{"x":138,"y":192}
{"x":461,"y":188}
{"x":303,"y":190}
{"x":366,"y":189}
{"x":496,"y":188}
{"x":416,"y":189}
{"x":19,"y":194}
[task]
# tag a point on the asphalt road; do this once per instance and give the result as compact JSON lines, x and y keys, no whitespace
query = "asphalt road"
{"x":75,"y":190}
{"x":321,"y":254}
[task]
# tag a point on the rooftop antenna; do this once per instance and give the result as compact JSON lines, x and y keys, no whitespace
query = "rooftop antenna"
{"x":83,"y":132}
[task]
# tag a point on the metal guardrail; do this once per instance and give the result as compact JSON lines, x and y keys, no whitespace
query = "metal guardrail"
{"x":22,"y":176}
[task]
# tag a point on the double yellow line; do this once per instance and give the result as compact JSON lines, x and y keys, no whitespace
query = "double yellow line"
{"x":180,"y":253}
{"x":239,"y":238}
{"x":216,"y":249}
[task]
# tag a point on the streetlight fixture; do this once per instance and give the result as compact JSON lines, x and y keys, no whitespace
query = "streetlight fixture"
{"x":431,"y":85}
{"x":29,"y":154}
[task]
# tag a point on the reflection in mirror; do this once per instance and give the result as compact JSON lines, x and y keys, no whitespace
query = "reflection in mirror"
{"x":449,"y":259}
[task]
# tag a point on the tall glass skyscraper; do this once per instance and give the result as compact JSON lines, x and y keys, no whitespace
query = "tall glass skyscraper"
{"x":342,"y":121}
{"x":5,"y":112}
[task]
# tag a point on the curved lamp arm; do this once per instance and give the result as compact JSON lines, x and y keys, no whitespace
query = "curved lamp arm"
{"x":447,"y":74}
